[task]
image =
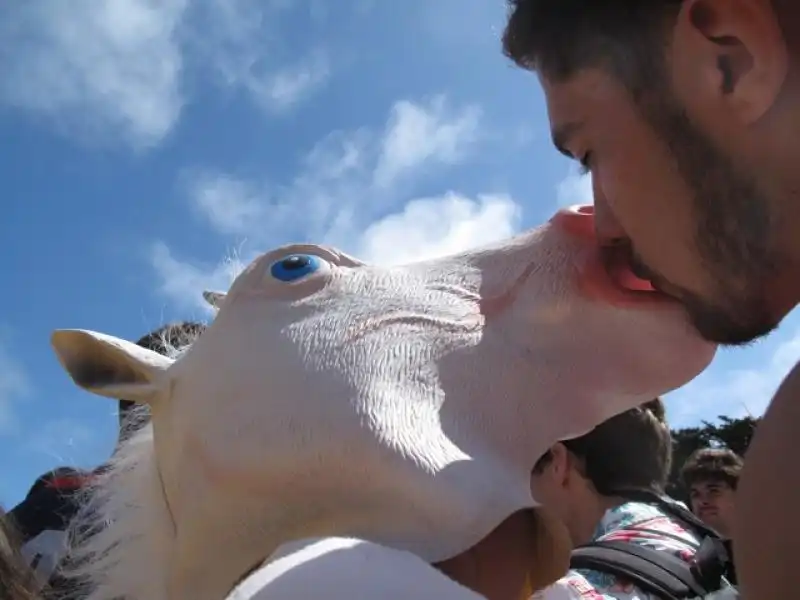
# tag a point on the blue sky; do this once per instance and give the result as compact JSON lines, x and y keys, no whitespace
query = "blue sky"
{"x":148,"y":145}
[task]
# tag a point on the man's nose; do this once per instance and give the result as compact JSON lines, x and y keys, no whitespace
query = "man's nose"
{"x":607,"y":228}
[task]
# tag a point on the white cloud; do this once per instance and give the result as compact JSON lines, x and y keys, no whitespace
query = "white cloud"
{"x":737,"y":392}
{"x":115,"y":69}
{"x":184,"y":283}
{"x":229,"y":204}
{"x":341,"y":197}
{"x":285,"y":87}
{"x":13,"y":385}
{"x":95,"y":67}
{"x":432,"y":227}
{"x":241,"y":41}
{"x":416,"y":135}
{"x":341,"y":186}
{"x":575,"y":189}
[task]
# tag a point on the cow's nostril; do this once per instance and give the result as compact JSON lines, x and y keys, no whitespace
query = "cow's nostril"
{"x":578,"y":220}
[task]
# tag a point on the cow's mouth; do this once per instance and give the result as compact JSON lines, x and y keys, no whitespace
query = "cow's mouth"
{"x":626,"y":271}
{"x":614,"y":276}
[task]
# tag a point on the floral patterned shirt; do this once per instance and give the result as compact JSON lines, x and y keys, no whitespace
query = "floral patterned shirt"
{"x":642,"y":524}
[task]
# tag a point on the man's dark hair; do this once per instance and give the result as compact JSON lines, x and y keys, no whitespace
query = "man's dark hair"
{"x":712,"y":465}
{"x":632,"y":450}
{"x":168,"y":340}
{"x":557,"y":38}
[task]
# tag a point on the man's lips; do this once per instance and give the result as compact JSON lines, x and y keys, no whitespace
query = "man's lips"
{"x":611,"y":280}
{"x":628,"y":273}
{"x":625,"y":278}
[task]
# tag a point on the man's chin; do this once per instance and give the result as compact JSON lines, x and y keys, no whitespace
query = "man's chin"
{"x":722,"y":330}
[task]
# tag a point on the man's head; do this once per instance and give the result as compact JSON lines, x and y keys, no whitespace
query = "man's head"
{"x":579,"y":479}
{"x":168,"y":340}
{"x":711,"y":475}
{"x":679,"y":109}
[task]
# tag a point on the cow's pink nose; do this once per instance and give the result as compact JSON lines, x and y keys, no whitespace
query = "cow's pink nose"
{"x":577,"y":220}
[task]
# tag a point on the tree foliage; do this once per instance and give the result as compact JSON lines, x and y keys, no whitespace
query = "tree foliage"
{"x":727,"y":432}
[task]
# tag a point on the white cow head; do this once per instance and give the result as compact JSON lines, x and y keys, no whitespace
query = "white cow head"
{"x":403,"y":405}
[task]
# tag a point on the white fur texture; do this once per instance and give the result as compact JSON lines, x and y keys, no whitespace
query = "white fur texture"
{"x":405,"y":406}
{"x":325,"y":568}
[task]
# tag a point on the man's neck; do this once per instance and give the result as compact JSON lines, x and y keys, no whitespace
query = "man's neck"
{"x":591,"y":519}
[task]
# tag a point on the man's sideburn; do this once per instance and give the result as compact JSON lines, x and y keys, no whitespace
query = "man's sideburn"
{"x":733,"y":235}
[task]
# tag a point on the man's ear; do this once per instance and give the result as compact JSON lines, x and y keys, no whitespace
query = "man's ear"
{"x":735,"y":52}
{"x":560,"y":463}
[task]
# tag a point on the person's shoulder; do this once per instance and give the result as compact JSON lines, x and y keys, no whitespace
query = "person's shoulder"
{"x":625,"y":515}
{"x":583,"y":586}
{"x":628,"y":521}
{"x":344,"y":569}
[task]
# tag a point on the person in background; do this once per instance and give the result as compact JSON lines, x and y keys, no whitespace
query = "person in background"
{"x":608,"y":486}
{"x":16,"y":580}
{"x":711,"y":475}
{"x":44,"y":515}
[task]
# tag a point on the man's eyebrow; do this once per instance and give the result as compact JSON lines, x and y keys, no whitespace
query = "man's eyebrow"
{"x":562,"y":134}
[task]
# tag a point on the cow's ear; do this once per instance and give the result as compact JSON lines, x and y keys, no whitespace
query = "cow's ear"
{"x":215,"y":299}
{"x":109,"y":366}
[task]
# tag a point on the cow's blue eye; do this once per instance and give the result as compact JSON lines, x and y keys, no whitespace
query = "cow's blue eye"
{"x":294,"y":267}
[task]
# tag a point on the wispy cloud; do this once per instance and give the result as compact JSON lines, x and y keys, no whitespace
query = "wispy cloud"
{"x":736,"y":391}
{"x":417,"y":135}
{"x":340,"y":184}
{"x":116,"y":70}
{"x":14,"y":384}
{"x":240,"y":40}
{"x":346,"y":194}
{"x":431,"y":227}
{"x":98,"y":69}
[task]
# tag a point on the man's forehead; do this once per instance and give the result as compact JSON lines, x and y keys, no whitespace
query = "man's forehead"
{"x":577,"y":99}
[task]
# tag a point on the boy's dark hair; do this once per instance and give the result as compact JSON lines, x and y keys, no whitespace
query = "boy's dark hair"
{"x":632,"y":450}
{"x":167,"y":340}
{"x":712,"y":465}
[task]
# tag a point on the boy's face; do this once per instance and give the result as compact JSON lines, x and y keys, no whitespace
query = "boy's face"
{"x":712,"y":501}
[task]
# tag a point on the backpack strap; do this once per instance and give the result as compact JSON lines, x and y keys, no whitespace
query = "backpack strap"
{"x":713,"y":564}
{"x":658,"y":573}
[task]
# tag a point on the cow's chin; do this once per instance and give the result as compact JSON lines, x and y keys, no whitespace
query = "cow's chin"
{"x":526,"y":553}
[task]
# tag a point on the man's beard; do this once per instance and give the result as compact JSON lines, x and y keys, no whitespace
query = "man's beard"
{"x":732,"y":237}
